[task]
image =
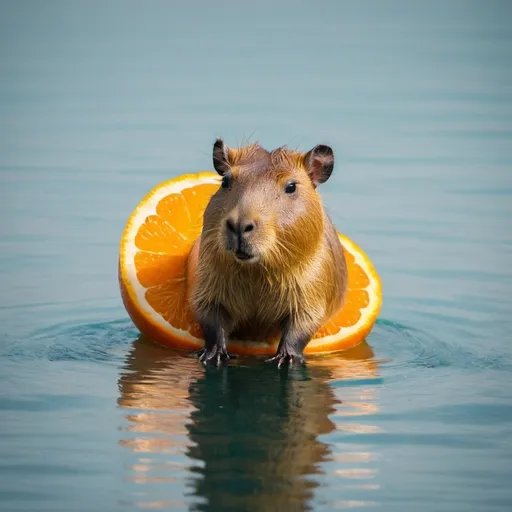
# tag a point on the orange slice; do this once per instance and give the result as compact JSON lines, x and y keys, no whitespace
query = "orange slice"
{"x":153,"y":273}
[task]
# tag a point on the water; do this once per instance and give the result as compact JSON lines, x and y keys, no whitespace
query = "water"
{"x":99,"y":102}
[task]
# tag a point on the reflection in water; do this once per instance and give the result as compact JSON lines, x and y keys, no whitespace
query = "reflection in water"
{"x":246,"y":436}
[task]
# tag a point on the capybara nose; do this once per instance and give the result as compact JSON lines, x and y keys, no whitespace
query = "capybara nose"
{"x":239,"y":230}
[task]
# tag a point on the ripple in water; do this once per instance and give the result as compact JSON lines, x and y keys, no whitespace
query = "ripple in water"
{"x":398,"y":347}
{"x":94,"y":342}
{"x":403,"y":347}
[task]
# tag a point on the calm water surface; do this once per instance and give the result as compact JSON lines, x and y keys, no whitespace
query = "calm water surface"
{"x":100,"y":101}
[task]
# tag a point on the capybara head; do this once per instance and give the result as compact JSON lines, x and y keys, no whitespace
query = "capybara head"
{"x":267,"y":209}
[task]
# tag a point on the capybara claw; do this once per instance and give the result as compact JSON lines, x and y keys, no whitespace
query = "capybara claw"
{"x":286,"y":359}
{"x":213,"y":355}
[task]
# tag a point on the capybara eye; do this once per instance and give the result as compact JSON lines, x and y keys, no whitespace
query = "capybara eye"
{"x":225,"y":182}
{"x":291,"y":187}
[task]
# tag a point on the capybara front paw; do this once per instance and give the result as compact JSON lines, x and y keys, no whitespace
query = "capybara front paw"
{"x":286,"y":358}
{"x":214,"y":355}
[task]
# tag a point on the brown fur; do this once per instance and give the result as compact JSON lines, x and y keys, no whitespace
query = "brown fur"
{"x":300,"y":276}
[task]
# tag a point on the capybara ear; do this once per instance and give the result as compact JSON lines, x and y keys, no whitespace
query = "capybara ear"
{"x":319,"y":163}
{"x":221,"y":157}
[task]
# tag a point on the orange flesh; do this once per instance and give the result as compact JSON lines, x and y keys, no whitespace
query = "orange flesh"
{"x":164,"y":275}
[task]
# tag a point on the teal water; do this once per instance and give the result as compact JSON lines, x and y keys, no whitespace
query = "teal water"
{"x":100,"y":101}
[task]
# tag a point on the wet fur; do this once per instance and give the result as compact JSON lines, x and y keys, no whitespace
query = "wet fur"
{"x":300,"y":281}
